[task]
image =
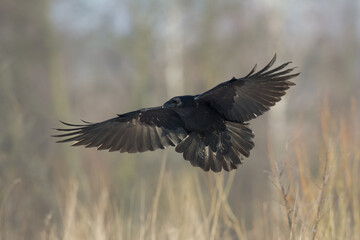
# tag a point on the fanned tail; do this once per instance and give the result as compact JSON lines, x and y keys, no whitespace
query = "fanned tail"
{"x":218,"y":151}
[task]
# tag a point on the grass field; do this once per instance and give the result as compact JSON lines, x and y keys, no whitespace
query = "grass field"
{"x":314,"y":196}
{"x":70,"y":60}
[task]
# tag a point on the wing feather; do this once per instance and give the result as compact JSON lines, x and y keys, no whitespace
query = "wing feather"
{"x":143,"y":130}
{"x":243,"y":99}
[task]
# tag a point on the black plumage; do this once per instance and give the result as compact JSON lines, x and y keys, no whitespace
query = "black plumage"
{"x":210,"y":129}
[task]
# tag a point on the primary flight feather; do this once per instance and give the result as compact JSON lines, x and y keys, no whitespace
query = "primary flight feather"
{"x":210,"y":129}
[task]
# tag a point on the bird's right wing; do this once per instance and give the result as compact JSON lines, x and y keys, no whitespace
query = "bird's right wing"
{"x":143,"y":130}
{"x":243,"y":99}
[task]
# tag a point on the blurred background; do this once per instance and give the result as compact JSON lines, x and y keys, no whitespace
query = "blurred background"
{"x":91,"y":59}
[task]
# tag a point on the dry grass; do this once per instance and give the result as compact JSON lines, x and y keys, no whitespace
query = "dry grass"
{"x":321,"y":202}
{"x":315,"y":196}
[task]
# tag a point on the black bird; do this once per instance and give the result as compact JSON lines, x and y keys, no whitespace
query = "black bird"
{"x":210,"y":129}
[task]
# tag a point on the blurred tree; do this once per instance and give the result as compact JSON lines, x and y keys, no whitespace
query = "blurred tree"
{"x":174,"y":47}
{"x":97,"y":58}
{"x":26,"y":106}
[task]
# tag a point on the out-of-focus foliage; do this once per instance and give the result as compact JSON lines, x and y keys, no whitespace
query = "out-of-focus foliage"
{"x":90,"y":60}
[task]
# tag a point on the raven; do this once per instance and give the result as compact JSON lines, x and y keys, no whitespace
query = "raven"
{"x":210,"y":129}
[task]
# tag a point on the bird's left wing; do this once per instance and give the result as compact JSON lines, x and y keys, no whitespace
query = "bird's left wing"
{"x":243,"y":99}
{"x":143,"y":130}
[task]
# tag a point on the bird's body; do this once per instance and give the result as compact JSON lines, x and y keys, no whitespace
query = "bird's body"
{"x":210,"y":129}
{"x":195,"y":118}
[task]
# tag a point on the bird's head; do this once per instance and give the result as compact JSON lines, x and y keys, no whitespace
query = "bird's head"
{"x":180,"y":102}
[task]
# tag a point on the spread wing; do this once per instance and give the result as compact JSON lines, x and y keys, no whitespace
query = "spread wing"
{"x":143,"y":130}
{"x":243,"y":99}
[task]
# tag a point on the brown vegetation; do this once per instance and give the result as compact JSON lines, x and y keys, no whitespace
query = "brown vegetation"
{"x":73,"y":60}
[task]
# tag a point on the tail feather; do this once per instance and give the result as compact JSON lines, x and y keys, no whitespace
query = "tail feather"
{"x":241,"y":137}
{"x":217,"y":151}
